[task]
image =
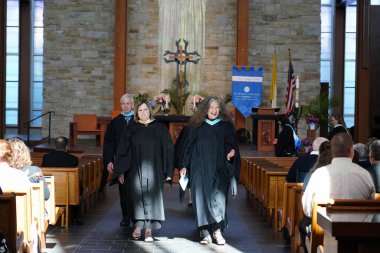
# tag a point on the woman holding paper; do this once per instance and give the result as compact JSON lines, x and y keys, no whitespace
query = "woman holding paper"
{"x":207,"y":157}
{"x":144,"y":159}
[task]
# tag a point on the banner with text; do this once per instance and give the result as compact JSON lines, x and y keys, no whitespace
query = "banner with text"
{"x":246,"y":88}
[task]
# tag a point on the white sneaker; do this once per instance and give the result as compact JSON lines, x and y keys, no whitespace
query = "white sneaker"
{"x":219,"y":237}
{"x":206,"y":240}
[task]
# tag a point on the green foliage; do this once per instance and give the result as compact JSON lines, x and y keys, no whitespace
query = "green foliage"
{"x":140,"y":97}
{"x":319,"y":107}
{"x":177,"y":98}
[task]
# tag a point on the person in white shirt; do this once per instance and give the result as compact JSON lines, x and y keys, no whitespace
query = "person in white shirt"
{"x":342,"y":179}
{"x":11,"y":179}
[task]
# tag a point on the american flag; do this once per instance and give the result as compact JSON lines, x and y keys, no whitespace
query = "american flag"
{"x":290,"y":91}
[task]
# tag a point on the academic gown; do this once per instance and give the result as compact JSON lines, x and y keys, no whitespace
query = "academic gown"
{"x":145,"y":154}
{"x":112,"y":138}
{"x":285,"y":142}
{"x":335,"y":130}
{"x":205,"y":156}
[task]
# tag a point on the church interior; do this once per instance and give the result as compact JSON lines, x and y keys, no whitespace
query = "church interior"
{"x":64,"y":65}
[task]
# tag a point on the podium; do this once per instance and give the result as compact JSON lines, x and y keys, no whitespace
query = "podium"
{"x":264,"y":128}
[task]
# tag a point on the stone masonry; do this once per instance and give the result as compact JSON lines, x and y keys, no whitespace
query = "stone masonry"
{"x":79,"y":51}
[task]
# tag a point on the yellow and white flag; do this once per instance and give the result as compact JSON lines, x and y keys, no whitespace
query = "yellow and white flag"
{"x":273,"y":88}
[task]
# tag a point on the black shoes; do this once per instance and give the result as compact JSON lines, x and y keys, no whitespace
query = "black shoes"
{"x":124,"y":222}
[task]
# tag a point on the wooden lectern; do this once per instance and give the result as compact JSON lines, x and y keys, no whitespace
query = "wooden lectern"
{"x":264,"y":128}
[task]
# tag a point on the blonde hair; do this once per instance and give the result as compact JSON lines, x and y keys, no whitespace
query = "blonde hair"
{"x":20,"y":155}
{"x":5,"y":151}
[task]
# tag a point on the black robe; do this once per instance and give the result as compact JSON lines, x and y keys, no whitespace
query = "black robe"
{"x":285,"y":142}
{"x":111,"y":141}
{"x":335,"y":130}
{"x":205,"y":156}
{"x":145,"y":155}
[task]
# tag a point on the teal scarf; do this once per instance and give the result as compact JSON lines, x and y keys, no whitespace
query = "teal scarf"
{"x":211,"y":123}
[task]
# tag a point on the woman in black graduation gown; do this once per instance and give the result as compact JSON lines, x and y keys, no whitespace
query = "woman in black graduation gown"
{"x":145,"y":155}
{"x":209,"y":145}
{"x":338,"y":126}
{"x":285,"y":141}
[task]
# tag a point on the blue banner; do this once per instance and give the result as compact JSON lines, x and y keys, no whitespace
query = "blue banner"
{"x":247,"y":85}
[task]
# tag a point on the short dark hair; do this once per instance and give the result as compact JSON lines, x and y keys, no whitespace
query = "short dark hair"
{"x":341,"y":145}
{"x":375,"y":150}
{"x":61,"y":142}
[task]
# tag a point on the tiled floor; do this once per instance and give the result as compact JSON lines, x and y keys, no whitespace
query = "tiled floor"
{"x":248,"y":232}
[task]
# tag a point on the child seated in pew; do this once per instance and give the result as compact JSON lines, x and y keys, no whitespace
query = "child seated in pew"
{"x":11,"y":179}
{"x":21,"y":160}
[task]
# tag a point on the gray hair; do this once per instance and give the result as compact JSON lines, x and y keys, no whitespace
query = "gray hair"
{"x":362,"y":151}
{"x":375,"y":150}
{"x":127,"y":96}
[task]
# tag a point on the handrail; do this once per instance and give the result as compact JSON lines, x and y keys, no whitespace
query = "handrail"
{"x":27,"y":124}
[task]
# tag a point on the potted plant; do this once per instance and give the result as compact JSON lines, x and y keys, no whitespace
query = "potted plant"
{"x":316,"y":111}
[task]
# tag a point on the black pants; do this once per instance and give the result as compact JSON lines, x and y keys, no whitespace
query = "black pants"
{"x":210,"y":229}
{"x":123,"y":200}
{"x":303,"y":228}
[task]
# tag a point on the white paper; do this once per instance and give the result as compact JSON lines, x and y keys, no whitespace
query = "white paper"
{"x":183,"y":182}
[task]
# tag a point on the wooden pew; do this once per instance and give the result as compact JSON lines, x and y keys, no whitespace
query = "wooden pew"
{"x":350,"y":226}
{"x":337,"y":205}
{"x":288,"y":208}
{"x":53,"y":211}
{"x":37,"y":158}
{"x":38,"y":212}
{"x":24,"y":219}
{"x":295,"y":216}
{"x":66,"y":188}
{"x":269,"y":174}
{"x":8,"y":224}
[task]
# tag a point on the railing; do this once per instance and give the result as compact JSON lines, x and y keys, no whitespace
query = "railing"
{"x":27,"y":124}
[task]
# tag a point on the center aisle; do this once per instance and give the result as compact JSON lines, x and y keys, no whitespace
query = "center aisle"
{"x":101,"y":231}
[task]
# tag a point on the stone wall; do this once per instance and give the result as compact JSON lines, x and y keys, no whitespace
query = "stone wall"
{"x":78,"y":59}
{"x":79,"y":48}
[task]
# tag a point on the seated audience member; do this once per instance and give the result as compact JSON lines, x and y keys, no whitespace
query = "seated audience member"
{"x":303,"y":164}
{"x":21,"y":160}
{"x":370,"y":140}
{"x":342,"y":179}
{"x":324,"y":159}
{"x":338,"y":126}
{"x":284,"y":145}
{"x":59,"y":157}
{"x":11,"y":179}
{"x":374,"y":157}
{"x":362,"y":158}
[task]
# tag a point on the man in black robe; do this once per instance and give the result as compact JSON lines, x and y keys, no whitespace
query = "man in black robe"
{"x":112,"y":138}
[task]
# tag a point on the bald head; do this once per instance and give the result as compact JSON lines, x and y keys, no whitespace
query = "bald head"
{"x":342,"y":145}
{"x":317,"y":143}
